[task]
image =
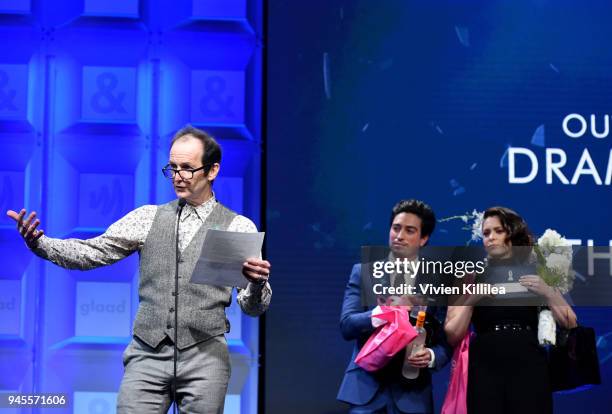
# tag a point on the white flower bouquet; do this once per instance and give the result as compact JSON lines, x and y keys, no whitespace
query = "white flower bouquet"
{"x":554,"y":260}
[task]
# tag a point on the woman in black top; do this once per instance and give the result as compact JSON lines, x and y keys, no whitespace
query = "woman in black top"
{"x":507,"y":368}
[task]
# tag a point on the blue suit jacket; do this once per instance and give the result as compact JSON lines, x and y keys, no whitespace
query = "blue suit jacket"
{"x":358,"y":385}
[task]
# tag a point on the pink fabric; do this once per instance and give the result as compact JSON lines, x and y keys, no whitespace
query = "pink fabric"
{"x":387,"y":340}
{"x":455,"y":401}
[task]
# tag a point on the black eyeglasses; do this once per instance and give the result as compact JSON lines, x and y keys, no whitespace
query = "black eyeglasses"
{"x":170,"y":172}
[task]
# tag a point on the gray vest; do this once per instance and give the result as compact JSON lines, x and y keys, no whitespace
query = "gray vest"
{"x":201,"y":307}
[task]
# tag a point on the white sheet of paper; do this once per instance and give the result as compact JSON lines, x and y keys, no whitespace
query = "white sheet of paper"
{"x":222,"y":256}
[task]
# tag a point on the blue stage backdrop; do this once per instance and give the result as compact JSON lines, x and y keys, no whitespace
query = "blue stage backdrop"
{"x":91,"y":91}
{"x":465,"y":105}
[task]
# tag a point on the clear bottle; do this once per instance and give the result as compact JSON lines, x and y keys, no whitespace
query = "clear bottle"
{"x":408,"y":371}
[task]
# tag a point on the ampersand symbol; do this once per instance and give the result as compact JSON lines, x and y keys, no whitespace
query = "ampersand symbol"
{"x":104,"y":102}
{"x":6,"y":97}
{"x":215,"y":86}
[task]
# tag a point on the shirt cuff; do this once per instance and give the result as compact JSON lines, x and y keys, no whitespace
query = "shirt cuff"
{"x":376,"y":322}
{"x":433,"y":358}
{"x":39,"y":247}
{"x":255,"y":288}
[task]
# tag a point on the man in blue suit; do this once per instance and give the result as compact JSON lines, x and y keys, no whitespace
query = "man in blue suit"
{"x":386,"y":390}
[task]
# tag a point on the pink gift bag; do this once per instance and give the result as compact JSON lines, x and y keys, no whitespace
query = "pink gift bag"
{"x":455,"y":401}
{"x":387,"y":340}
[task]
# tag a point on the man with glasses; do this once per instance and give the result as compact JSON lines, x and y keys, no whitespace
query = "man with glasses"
{"x":203,"y":358}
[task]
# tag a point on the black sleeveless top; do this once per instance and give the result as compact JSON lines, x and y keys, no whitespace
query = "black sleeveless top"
{"x":498,"y":311}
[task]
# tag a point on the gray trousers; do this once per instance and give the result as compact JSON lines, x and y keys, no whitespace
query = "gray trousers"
{"x":203,"y":372}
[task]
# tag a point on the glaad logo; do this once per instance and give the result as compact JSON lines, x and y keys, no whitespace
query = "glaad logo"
{"x":574,"y":126}
{"x":9,"y":305}
{"x":107,"y":200}
{"x":93,"y":307}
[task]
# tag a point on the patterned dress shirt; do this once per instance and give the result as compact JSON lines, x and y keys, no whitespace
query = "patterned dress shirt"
{"x":128,"y":235}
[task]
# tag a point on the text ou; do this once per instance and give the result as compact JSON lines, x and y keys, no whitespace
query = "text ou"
{"x":575,"y":126}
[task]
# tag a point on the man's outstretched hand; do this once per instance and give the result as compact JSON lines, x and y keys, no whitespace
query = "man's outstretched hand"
{"x":256,"y":270}
{"x":26,"y":228}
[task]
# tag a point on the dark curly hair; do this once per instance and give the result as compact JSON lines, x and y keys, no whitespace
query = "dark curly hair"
{"x":419,"y":209}
{"x":516,"y":227}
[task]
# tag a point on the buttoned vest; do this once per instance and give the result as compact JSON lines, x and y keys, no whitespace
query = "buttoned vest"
{"x":201,"y":310}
